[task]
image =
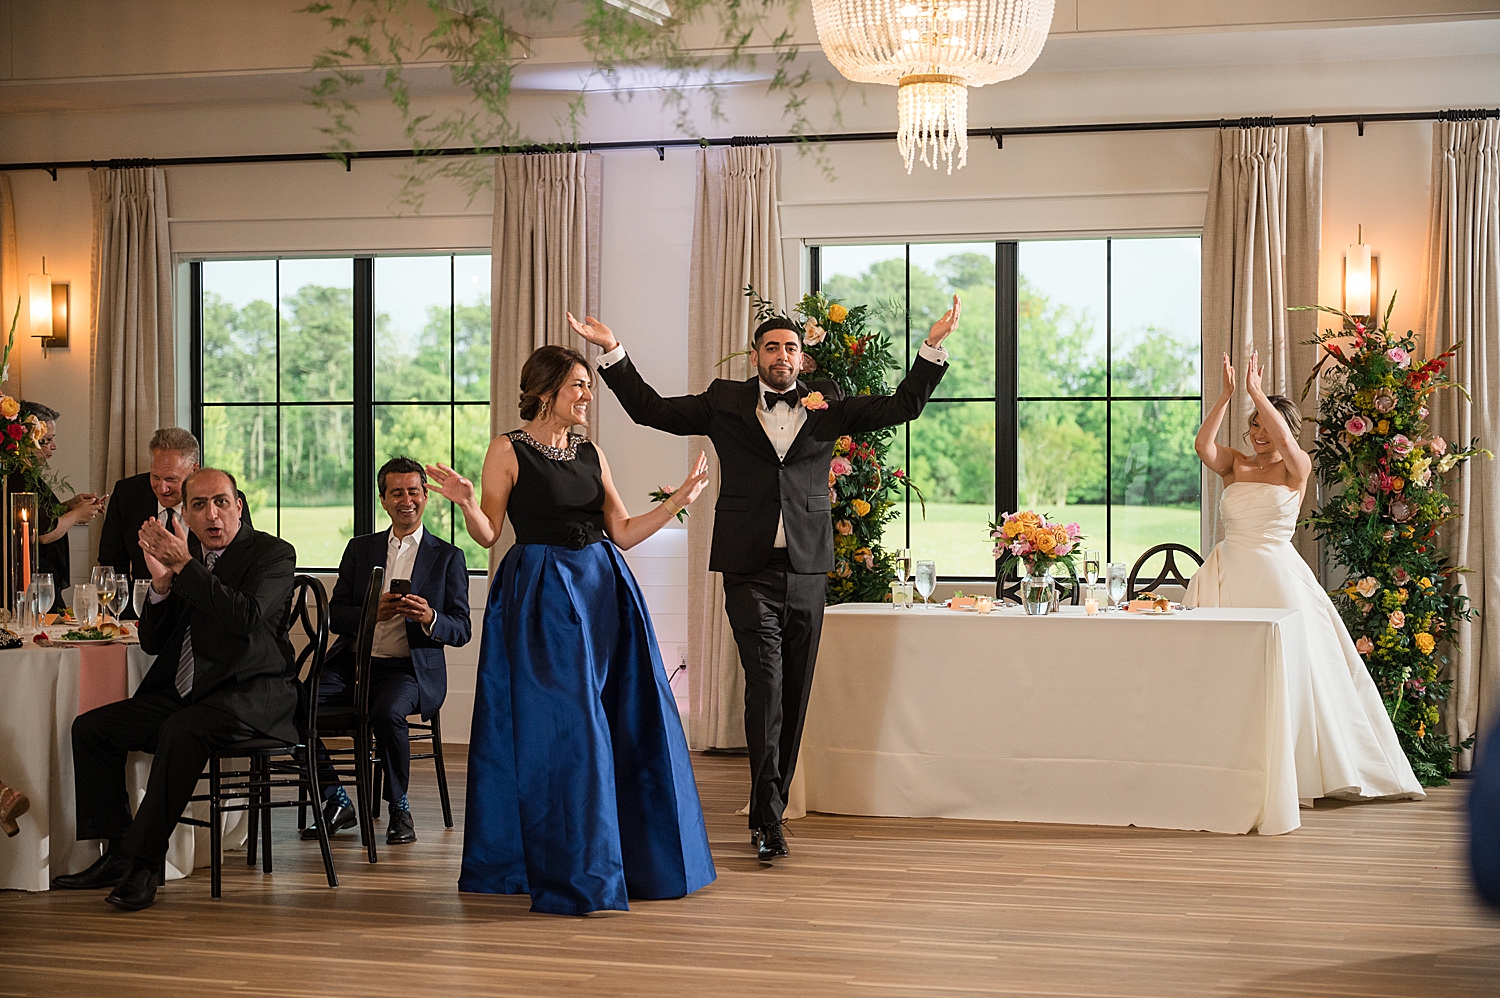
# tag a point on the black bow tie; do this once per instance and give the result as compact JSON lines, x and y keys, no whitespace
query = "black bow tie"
{"x":791,"y":398}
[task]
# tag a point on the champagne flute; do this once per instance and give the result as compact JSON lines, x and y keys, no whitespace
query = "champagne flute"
{"x":138,"y":596}
{"x":1091,"y":564}
{"x":926,"y":579}
{"x":903,"y":564}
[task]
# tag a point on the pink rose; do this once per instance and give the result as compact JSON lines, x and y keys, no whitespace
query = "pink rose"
{"x":1367,"y":504}
{"x":1397,"y":619}
{"x":1073,"y":530}
{"x":1400,"y":444}
{"x":1364,"y":645}
{"x":841,"y":466}
{"x":1358,"y":426}
{"x":1422,"y":412}
{"x":814,"y":400}
{"x":1062,"y":550}
{"x":1368,"y":586}
{"x":1439,"y":446}
{"x":844,"y":527}
{"x":1398,"y":356}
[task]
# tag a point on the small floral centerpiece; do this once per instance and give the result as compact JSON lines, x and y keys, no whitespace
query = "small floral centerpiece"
{"x":1383,"y":473}
{"x":1035,"y":544}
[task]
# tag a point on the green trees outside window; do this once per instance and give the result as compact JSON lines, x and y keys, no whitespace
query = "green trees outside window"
{"x":1074,"y":387}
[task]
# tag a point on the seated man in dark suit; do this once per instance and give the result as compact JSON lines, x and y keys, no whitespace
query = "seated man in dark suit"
{"x":151,"y":494}
{"x":216,"y":620}
{"x":408,"y":671}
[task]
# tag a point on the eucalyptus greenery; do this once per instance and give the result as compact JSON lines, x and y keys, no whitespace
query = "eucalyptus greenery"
{"x":1384,"y":472}
{"x":482,"y":44}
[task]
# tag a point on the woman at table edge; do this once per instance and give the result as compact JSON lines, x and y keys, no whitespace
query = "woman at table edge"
{"x":1352,"y":752}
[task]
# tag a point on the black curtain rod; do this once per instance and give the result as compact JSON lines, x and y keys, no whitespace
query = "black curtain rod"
{"x":998,"y":134}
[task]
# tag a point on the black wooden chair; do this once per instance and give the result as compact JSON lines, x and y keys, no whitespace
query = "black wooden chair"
{"x":353,"y":722}
{"x":1170,"y":573}
{"x":270,"y":762}
{"x":431,"y":732}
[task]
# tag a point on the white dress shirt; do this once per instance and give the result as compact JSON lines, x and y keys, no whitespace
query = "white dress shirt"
{"x":400,"y":559}
{"x":783,"y":423}
{"x":161,"y":512}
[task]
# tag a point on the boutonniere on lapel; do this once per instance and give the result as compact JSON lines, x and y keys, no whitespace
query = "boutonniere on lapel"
{"x":814,"y":401}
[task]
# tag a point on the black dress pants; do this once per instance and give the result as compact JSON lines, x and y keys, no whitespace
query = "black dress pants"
{"x":180,"y":735}
{"x":394,"y":697}
{"x":777,"y":617}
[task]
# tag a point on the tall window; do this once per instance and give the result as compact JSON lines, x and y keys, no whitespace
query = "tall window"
{"x":315,"y":371}
{"x":1074,"y":387}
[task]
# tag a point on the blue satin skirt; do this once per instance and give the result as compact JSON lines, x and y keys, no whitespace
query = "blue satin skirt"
{"x":580,"y":787}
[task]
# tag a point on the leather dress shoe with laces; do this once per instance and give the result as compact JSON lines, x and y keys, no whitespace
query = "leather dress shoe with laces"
{"x":106,"y":872}
{"x":136,"y":890}
{"x":770,"y":843}
{"x":338,"y":816}
{"x":400,"y":830}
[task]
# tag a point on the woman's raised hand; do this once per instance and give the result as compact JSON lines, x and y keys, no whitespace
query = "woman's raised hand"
{"x":693,"y":485}
{"x":1253,"y":373}
{"x":450,"y":484}
{"x":1228,"y":376}
{"x":594,"y":331}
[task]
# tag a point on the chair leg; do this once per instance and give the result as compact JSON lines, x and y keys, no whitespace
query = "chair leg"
{"x":302,"y":791}
{"x":377,"y":781}
{"x":252,"y":817}
{"x":309,"y":786}
{"x":215,"y":831}
{"x":265,"y":821}
{"x":442,"y":772}
{"x":363,"y":779}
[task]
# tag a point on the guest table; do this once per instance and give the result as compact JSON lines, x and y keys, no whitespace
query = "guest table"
{"x":41,"y":690}
{"x":1185,"y":721}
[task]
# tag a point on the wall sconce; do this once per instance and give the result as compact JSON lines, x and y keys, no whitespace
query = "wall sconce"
{"x":49,"y":306}
{"x":1361,"y":278}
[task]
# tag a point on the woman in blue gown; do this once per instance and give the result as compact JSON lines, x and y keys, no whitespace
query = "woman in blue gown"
{"x":580,"y":788}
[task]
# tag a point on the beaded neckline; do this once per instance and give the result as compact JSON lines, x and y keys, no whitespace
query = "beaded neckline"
{"x":567,"y":453}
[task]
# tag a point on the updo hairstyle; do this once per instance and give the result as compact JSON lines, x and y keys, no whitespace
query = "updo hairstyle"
{"x":544,"y":374}
{"x":1288,"y":410}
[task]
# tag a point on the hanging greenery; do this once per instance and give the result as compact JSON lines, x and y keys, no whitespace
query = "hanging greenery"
{"x":1383,"y":475}
{"x":863,"y":488}
{"x":481,"y":44}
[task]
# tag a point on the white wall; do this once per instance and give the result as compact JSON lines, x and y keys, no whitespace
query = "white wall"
{"x":1085,"y":184}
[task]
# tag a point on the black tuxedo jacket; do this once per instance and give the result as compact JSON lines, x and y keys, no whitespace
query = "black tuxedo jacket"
{"x":754,"y":486}
{"x":131,"y":504}
{"x":440,"y":576}
{"x":239,"y":614}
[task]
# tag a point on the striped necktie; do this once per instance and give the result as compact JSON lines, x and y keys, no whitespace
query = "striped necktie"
{"x":185,"y":661}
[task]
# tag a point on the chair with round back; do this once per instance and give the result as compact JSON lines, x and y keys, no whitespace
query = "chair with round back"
{"x":1170,"y":572}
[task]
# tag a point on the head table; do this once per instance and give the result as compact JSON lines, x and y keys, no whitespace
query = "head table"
{"x":41,"y":690}
{"x":1186,"y":721}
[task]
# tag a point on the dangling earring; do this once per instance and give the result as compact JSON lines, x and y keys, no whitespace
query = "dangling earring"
{"x":542,"y":413}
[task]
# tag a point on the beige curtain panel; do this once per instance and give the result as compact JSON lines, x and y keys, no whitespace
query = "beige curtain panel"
{"x":1463,"y":309}
{"x":1261,"y":236}
{"x":133,"y":360}
{"x":545,"y":263}
{"x":736,"y":242}
{"x":10,"y":280}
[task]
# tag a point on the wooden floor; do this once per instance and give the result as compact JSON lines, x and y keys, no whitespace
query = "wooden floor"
{"x":1363,"y":900}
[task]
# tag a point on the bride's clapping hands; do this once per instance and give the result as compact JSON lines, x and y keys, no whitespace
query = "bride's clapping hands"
{"x":1228,"y":376}
{"x":1253,"y":373}
{"x":594,"y":331}
{"x":450,"y":484}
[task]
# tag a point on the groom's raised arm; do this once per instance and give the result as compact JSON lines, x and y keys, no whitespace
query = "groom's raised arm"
{"x":866,"y":413}
{"x":684,"y":415}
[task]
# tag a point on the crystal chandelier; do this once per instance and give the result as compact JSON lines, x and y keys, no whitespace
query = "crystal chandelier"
{"x":932,"y":51}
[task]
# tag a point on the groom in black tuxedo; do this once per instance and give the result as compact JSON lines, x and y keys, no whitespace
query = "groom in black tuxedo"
{"x":773,"y":532}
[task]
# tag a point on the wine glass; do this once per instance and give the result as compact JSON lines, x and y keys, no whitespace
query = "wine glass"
{"x":46,"y":592}
{"x":1118,"y":572}
{"x":926,"y":579}
{"x":138,"y":596}
{"x":105,"y":587}
{"x":903,"y":564}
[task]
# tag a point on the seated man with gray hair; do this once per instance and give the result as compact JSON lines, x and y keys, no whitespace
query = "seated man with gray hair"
{"x":154,"y":494}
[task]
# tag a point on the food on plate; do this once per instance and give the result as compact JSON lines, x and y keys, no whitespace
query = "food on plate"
{"x":104,"y":632}
{"x":1149,"y":602}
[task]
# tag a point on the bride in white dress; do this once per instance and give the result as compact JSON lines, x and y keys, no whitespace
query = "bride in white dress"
{"x":1347,"y":747}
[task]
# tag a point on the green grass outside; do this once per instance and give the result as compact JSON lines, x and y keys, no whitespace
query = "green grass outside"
{"x":955,"y":535}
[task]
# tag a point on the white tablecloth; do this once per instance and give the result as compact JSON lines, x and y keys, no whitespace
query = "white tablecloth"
{"x":39,"y":690}
{"x":1186,"y":721}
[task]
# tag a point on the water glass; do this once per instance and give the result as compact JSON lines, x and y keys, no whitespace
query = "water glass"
{"x":119,"y":587}
{"x":46,"y":591}
{"x":86,"y":604}
{"x":138,"y":596}
{"x":1118,"y":573}
{"x":23,"y":619}
{"x":898,"y":595}
{"x":926,"y":579}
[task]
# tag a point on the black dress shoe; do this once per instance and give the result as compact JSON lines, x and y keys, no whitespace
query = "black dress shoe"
{"x":770,"y":843}
{"x":136,"y":890}
{"x":106,"y":872}
{"x":400,"y":830}
{"x":338,"y":816}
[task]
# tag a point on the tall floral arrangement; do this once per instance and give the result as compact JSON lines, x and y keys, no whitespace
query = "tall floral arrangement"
{"x":863,"y":487}
{"x":1383,"y":473}
{"x":20,"y":436}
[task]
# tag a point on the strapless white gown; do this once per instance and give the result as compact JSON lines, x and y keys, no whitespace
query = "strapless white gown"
{"x":1346,"y":745}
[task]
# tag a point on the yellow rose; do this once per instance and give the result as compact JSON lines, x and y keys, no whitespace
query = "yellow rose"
{"x":1045,"y":542}
{"x":1382,"y":427}
{"x":1397,"y":484}
{"x":1425,"y":643}
{"x":861,"y":508}
{"x":1029,"y":518}
{"x":1011,"y":529}
{"x":9,"y":407}
{"x":837,"y":313}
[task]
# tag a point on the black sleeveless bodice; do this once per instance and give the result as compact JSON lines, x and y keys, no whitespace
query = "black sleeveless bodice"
{"x":556,"y":501}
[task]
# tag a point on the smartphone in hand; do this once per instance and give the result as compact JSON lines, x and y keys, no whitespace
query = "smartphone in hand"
{"x":400,"y":587}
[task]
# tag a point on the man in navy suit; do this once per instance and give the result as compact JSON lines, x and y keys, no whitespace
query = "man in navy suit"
{"x":408,"y":669}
